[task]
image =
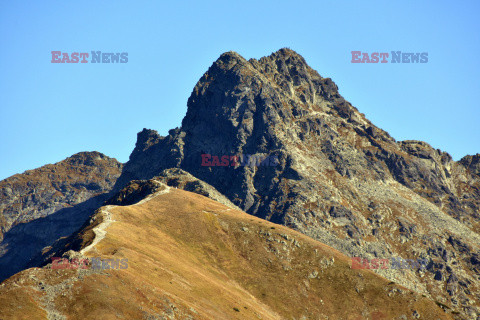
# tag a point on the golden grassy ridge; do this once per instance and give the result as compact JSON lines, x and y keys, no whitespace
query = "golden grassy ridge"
{"x":190,"y":257}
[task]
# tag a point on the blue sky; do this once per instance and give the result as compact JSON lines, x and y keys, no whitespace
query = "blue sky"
{"x":50,"y":111}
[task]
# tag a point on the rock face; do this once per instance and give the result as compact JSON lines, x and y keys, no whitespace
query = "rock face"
{"x":42,"y":205}
{"x":339,"y":178}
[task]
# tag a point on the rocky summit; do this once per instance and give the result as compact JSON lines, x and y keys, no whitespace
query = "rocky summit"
{"x":336,"y":177}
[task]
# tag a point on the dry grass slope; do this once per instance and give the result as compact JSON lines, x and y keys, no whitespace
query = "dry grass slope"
{"x":190,"y":257}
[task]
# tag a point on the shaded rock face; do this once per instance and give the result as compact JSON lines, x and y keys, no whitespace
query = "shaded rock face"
{"x":389,"y":198}
{"x":42,"y":205}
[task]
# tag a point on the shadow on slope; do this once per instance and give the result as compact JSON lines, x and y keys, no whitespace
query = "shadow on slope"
{"x":25,"y":241}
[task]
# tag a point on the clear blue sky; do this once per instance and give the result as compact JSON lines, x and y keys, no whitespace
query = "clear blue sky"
{"x":51,"y":111}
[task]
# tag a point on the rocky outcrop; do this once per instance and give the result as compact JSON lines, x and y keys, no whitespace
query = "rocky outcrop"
{"x":181,"y":179}
{"x":472,"y":163}
{"x":134,"y":192}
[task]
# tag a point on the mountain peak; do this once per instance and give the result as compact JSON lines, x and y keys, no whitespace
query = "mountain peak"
{"x":230,"y":55}
{"x":286,"y":57}
{"x":88,"y":158}
{"x":287,"y":52}
{"x":145,"y":139}
{"x":228,"y":60}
